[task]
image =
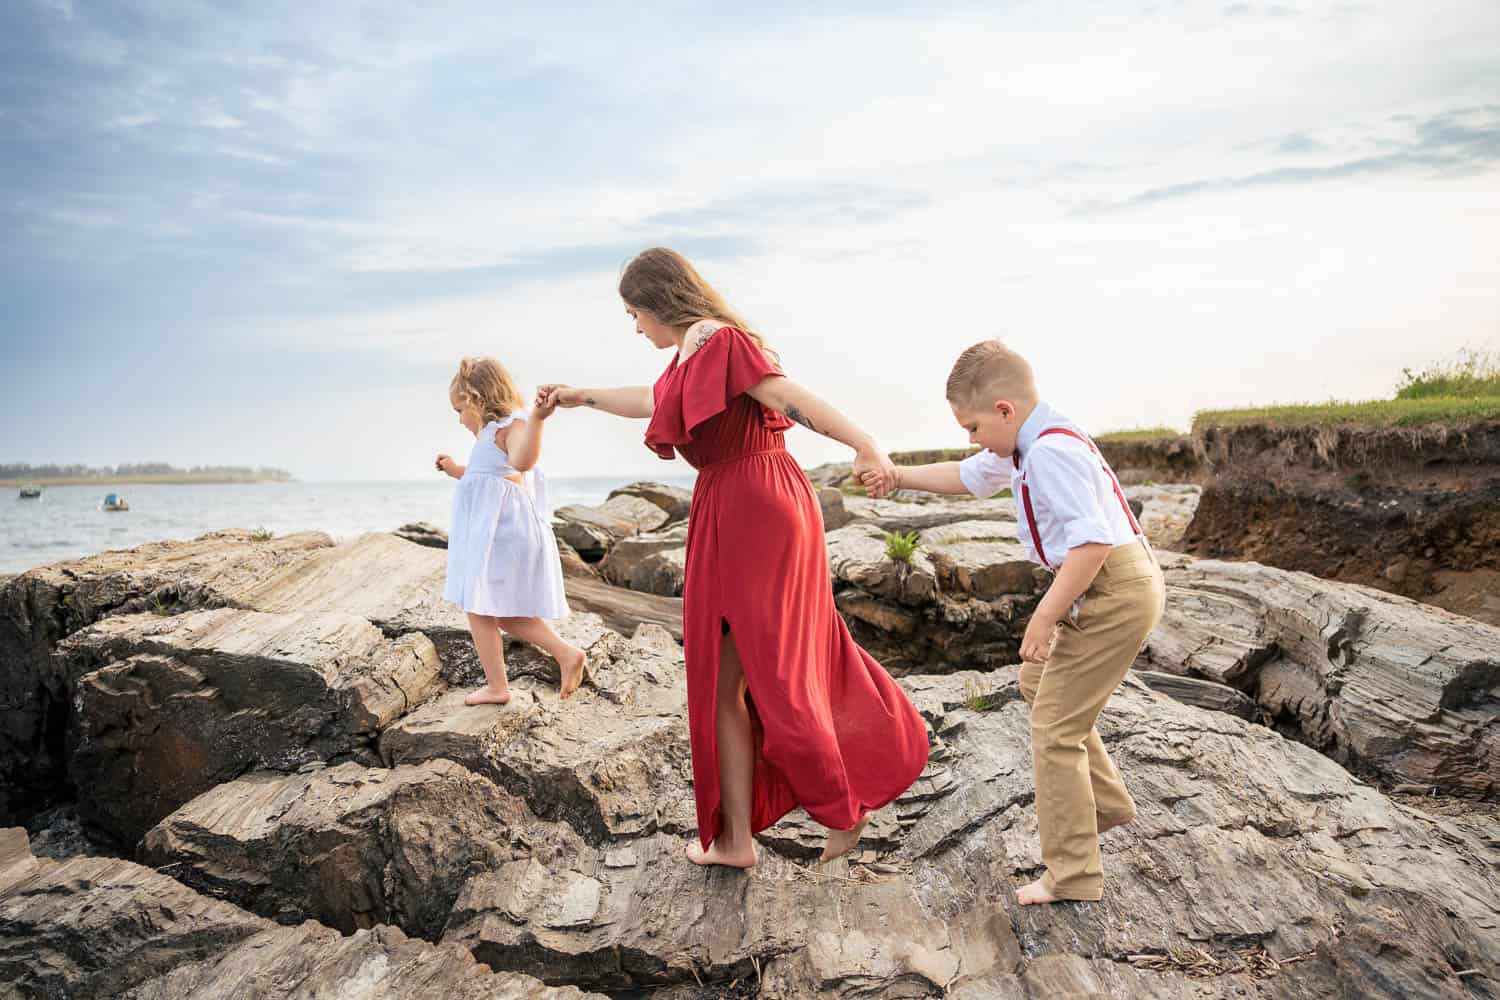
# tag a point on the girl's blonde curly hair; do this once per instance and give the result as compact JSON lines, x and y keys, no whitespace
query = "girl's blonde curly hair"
{"x":485,"y":385}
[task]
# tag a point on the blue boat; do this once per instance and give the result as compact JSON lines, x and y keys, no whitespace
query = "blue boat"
{"x":113,"y":501}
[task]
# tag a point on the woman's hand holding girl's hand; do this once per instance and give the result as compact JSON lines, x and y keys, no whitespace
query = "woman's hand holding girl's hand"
{"x":444,"y":464}
{"x":553,"y":395}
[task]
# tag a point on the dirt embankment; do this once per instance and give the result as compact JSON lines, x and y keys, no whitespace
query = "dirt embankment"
{"x":1413,"y":511}
{"x":1158,"y":460}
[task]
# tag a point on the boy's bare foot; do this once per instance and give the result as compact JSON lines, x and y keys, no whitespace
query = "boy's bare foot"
{"x":841,"y":842}
{"x":1036,"y":892}
{"x":716,"y":855}
{"x":572,"y":672}
{"x":487,"y":696}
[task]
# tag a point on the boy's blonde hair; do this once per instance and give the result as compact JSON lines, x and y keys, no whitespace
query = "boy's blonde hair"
{"x":484,"y":384}
{"x":989,"y":371}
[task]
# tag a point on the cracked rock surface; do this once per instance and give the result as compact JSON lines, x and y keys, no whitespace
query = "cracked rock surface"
{"x":313,"y":812}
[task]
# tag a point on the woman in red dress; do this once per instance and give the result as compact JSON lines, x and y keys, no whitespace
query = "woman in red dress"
{"x":784,"y":708}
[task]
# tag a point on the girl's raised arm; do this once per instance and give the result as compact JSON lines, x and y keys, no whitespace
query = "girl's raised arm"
{"x":523,"y":446}
{"x":635,"y":401}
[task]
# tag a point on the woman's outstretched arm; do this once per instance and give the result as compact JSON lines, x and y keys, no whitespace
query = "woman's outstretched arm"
{"x":636,"y":401}
{"x":779,"y":393}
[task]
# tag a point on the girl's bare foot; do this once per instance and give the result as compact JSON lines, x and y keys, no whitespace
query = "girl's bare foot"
{"x":841,"y":842}
{"x":572,"y":672}
{"x":1036,"y":892}
{"x":487,"y":696}
{"x":729,"y":857}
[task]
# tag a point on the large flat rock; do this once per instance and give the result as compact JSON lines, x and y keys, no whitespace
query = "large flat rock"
{"x":312,"y":962}
{"x":40,"y":607}
{"x":612,"y":761}
{"x":104,"y":928}
{"x":961,"y":601}
{"x":594,"y":530}
{"x":1398,"y":690}
{"x":349,"y":846}
{"x":95,"y":927}
{"x":398,"y":586}
{"x":168,"y":707}
{"x":929,"y":511}
{"x":621,"y":566}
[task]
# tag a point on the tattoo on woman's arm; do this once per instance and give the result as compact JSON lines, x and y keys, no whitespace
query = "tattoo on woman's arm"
{"x":589,"y":401}
{"x":801,"y":418}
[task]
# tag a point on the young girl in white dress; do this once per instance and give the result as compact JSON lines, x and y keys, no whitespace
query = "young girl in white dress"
{"x":503,"y":565}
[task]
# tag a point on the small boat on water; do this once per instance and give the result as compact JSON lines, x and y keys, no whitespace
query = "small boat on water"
{"x":30,"y":491}
{"x":113,"y":501}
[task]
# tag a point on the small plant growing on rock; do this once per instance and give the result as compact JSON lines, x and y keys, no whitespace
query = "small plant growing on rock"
{"x":976,"y":699}
{"x":261,"y":535}
{"x":160,"y":607}
{"x":899,"y":546}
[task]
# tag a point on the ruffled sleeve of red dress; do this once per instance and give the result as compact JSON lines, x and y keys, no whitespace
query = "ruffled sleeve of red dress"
{"x":699,"y":389}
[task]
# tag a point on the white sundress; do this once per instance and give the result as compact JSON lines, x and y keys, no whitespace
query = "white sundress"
{"x":502,"y":556}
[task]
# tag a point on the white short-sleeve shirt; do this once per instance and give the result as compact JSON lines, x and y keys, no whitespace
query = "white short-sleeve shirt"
{"x":1072,"y":489}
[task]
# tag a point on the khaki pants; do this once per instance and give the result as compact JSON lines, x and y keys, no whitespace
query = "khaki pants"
{"x":1078,"y":790}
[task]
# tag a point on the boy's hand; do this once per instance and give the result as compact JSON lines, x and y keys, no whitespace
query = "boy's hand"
{"x":1036,"y":644}
{"x":882,"y":482}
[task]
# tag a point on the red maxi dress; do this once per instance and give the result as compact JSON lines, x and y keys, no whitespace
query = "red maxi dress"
{"x":832,"y":732}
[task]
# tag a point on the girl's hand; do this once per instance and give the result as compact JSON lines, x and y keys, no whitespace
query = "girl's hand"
{"x":544,"y":407}
{"x":444,"y":464}
{"x":553,"y":395}
{"x":871,"y":465}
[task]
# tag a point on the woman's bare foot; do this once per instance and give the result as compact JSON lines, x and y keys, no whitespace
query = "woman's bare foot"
{"x":487,"y":696}
{"x":572,"y":672}
{"x":1036,"y":892}
{"x":729,"y":857}
{"x":841,"y":842}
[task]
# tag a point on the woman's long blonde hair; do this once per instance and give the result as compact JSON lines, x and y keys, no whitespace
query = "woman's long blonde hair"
{"x":484,"y":384}
{"x":665,"y":284}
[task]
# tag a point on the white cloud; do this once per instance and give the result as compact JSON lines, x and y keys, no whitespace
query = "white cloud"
{"x":875,"y":193}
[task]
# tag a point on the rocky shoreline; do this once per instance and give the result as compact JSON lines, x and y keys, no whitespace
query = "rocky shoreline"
{"x":240,"y":767}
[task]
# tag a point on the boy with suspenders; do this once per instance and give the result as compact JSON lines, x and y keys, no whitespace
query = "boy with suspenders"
{"x":1106,"y":597}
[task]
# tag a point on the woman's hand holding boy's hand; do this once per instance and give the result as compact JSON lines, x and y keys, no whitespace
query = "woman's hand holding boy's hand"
{"x":871,"y":465}
{"x":881,"y":482}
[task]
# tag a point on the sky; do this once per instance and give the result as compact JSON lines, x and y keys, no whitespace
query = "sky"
{"x":264,"y":233}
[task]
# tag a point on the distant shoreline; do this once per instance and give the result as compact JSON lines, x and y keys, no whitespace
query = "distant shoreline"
{"x":163,"y":480}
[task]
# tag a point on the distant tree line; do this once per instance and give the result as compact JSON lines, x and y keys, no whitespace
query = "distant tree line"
{"x":23,"y":470}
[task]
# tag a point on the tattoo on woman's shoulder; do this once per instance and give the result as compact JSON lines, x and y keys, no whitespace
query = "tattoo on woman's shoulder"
{"x":706,"y":329}
{"x":801,"y":418}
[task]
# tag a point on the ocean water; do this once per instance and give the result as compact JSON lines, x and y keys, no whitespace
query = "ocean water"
{"x":68,"y":522}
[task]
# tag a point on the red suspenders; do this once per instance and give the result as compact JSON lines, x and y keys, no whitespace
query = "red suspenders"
{"x":1036,"y":536}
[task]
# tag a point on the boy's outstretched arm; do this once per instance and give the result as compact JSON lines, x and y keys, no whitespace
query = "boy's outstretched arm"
{"x":940,"y":477}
